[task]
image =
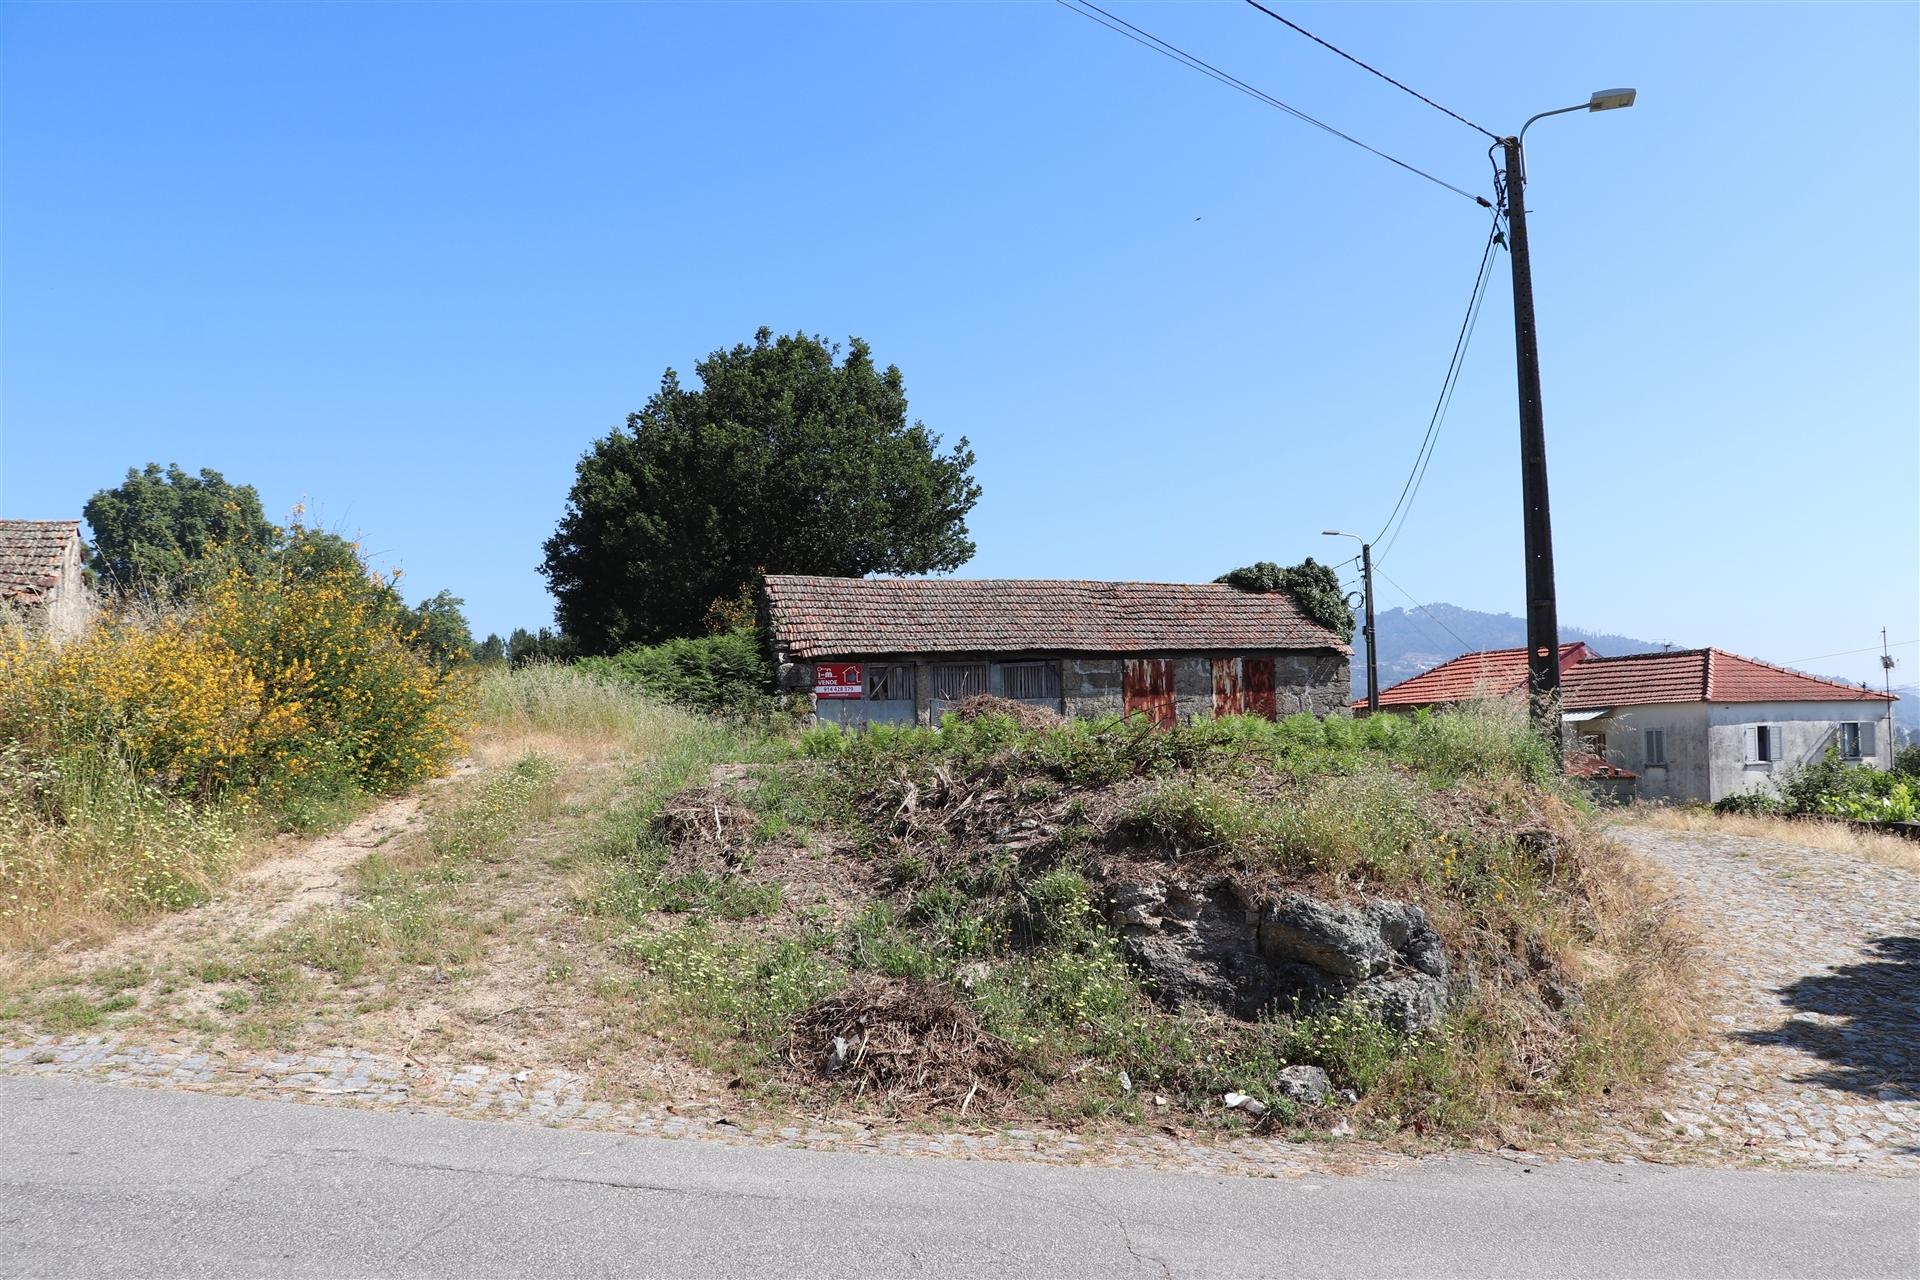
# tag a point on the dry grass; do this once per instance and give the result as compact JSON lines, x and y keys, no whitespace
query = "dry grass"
{"x":568,"y":714}
{"x":1834,"y":837}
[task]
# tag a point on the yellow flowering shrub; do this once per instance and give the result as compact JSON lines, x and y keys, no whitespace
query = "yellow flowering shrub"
{"x":270,"y":681}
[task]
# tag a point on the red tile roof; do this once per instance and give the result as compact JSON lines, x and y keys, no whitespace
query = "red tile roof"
{"x":1592,"y":683}
{"x":1585,"y":764}
{"x":1492,"y":674}
{"x":843,"y":617}
{"x":30,"y":552}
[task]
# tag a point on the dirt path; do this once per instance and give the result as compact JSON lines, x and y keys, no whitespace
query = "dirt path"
{"x":1813,"y":961}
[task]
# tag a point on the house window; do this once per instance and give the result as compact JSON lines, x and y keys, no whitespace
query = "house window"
{"x":889,"y":682}
{"x":1031,"y":681}
{"x":1763,"y":744}
{"x":958,"y":681}
{"x":1656,"y":743}
{"x":1850,"y":740}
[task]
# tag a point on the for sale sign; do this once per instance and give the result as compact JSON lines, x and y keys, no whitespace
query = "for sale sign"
{"x":836,"y":680}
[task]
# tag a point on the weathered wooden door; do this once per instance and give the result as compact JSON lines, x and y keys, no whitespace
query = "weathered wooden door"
{"x":1256,"y":687}
{"x":1243,"y":687}
{"x":1229,"y":699}
{"x":1148,"y":688}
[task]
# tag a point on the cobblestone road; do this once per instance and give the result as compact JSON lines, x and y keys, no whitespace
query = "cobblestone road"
{"x":1814,"y":968}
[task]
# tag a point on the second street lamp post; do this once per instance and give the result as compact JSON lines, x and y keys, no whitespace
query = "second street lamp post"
{"x":1543,"y":622}
{"x":1373,"y":649}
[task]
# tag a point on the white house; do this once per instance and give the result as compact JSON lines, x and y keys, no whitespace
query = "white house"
{"x":1693,"y":724}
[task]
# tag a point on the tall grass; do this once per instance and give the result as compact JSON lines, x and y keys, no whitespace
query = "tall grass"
{"x":570,"y":712}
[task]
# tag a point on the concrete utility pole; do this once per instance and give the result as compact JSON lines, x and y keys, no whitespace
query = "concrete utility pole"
{"x":1373,"y":650}
{"x":1543,"y":621}
{"x":1886,"y":677}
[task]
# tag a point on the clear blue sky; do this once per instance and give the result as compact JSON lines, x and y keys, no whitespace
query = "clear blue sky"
{"x":404,"y":263}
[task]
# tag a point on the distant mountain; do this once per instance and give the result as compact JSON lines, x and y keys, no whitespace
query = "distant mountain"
{"x":1416,"y":640}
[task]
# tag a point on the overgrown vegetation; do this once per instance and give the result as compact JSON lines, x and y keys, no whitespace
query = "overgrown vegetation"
{"x":978,"y":864}
{"x":272,"y":695}
{"x":1315,"y":587}
{"x":1832,"y":788}
{"x":728,"y":672}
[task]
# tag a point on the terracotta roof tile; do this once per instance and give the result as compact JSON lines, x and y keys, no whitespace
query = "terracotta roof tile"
{"x":1592,"y":683}
{"x":1492,"y":674}
{"x":835,"y":617}
{"x":30,"y":552}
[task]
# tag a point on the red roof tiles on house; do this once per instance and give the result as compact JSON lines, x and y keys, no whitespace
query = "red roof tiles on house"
{"x":843,"y":617}
{"x":1592,"y":683}
{"x":30,"y":554}
{"x":1492,"y":674}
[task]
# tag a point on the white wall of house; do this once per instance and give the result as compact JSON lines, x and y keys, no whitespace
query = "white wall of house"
{"x":1712,"y":749}
{"x":1798,"y":733}
{"x":1683,"y":725}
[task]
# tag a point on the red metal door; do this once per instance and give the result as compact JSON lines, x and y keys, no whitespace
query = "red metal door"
{"x":1229,"y":698}
{"x":1148,"y":688}
{"x":1256,"y":687}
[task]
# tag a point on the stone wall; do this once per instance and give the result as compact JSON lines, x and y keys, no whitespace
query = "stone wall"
{"x":1315,"y":682}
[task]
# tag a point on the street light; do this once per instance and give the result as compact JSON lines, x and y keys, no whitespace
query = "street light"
{"x":1543,"y":623}
{"x":1373,"y":650}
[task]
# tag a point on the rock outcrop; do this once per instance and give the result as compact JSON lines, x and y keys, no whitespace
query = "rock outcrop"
{"x":1212,"y":941}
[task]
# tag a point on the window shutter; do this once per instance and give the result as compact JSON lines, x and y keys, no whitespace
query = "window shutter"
{"x":1753,"y":743}
{"x":1776,"y":745}
{"x":1869,"y":750}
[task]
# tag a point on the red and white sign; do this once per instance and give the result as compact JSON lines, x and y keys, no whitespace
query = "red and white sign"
{"x":836,"y":680}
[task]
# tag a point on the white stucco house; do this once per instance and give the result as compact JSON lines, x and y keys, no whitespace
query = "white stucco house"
{"x":1692,"y":724}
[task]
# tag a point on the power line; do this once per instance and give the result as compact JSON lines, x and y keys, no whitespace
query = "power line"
{"x":1465,"y":647}
{"x":1094,"y":13}
{"x":1421,"y":459}
{"x":1847,"y":653}
{"x":1375,"y":70}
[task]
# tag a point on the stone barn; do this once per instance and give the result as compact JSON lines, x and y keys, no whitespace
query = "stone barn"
{"x":43,"y":576}
{"x":906,"y":650}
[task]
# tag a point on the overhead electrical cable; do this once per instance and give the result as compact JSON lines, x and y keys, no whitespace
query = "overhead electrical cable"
{"x":1094,"y":13}
{"x":1373,"y":70}
{"x":1464,"y":646}
{"x":1403,"y":506}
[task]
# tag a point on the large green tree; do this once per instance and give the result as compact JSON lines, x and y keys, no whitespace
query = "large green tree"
{"x":786,"y":459}
{"x":153,"y":529}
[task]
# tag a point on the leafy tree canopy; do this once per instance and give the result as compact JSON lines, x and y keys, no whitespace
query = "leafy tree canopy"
{"x":1314,"y":586}
{"x":785,"y":460}
{"x":441,"y":629}
{"x":152,"y":529}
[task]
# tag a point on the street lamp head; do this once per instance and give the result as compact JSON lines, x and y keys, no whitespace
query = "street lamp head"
{"x":1611,"y":100}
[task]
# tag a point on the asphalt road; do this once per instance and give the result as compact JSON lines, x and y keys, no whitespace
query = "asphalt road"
{"x":98,"y":1181}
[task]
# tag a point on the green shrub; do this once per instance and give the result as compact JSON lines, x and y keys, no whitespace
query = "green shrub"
{"x":1832,"y":787}
{"x":1906,"y":761}
{"x":725,"y":673}
{"x":1750,"y":803}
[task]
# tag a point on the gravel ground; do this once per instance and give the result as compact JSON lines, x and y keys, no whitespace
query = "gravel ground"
{"x":1814,"y":963}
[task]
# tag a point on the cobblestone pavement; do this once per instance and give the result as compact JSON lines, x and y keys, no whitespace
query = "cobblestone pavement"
{"x":358,"y":1077}
{"x":1813,"y":959}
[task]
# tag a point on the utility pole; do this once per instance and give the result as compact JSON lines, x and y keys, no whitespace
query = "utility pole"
{"x":1543,"y":613}
{"x":1373,"y":649}
{"x":1886,"y":677}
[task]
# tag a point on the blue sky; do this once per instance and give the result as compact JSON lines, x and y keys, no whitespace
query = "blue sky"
{"x":404,"y":263}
